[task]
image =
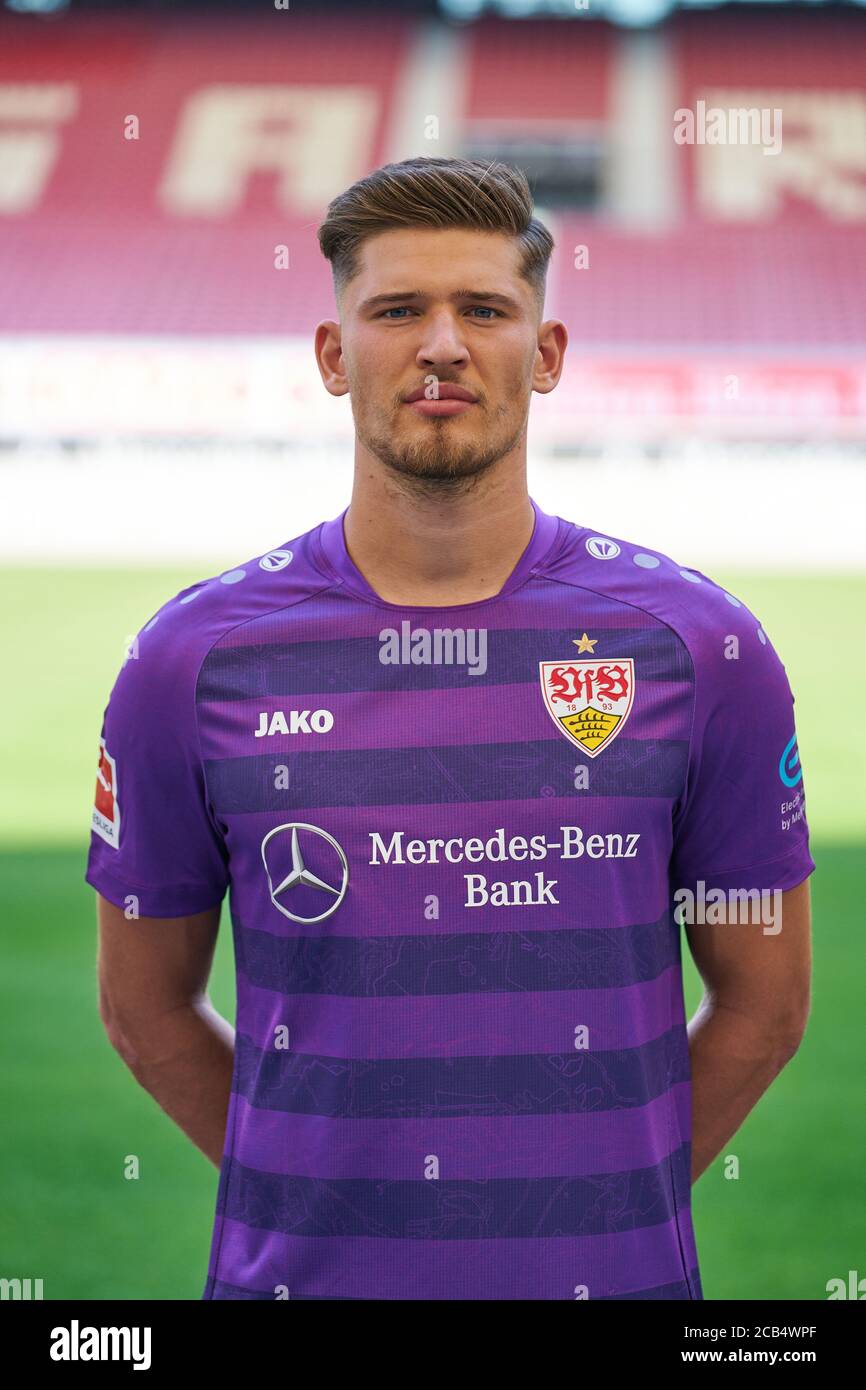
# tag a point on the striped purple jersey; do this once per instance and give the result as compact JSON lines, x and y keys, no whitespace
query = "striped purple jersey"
{"x":462,"y":843}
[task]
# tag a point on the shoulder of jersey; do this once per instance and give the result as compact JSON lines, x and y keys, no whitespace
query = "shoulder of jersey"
{"x":683,"y":597}
{"x":197,"y":616}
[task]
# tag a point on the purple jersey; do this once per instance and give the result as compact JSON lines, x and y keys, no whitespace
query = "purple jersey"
{"x":454,"y":838}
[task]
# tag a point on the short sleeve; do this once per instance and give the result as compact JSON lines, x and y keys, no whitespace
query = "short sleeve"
{"x":153,"y":835}
{"x":742,"y":820}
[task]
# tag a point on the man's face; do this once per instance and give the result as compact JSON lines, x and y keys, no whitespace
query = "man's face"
{"x":430,"y":309}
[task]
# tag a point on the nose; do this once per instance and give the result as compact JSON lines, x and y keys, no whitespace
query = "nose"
{"x":442,"y":343}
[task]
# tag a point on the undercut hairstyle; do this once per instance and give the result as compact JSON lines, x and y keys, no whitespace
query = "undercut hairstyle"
{"x":436,"y":193}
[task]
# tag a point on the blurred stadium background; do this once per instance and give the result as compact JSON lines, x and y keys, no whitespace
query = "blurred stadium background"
{"x":163,"y":167}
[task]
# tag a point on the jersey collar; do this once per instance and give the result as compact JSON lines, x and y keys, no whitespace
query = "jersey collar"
{"x":332,"y":543}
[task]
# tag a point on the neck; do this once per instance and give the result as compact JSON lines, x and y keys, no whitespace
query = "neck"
{"x":413,"y":546}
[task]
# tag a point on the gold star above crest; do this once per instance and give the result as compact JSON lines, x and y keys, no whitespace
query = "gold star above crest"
{"x":585,"y":644}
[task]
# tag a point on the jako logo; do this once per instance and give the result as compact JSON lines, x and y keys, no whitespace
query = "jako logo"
{"x":76,"y":1343}
{"x":602,"y":548}
{"x":300,"y":721}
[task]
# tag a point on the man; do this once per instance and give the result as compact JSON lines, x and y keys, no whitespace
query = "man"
{"x":466,"y":767}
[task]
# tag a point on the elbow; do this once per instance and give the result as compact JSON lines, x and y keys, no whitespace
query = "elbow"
{"x":789,"y":1033}
{"x":112,"y":1023}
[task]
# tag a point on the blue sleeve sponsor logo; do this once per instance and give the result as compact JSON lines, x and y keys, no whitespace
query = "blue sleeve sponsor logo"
{"x":790,"y":770}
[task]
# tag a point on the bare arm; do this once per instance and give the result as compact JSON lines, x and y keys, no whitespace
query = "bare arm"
{"x":751,"y":1019}
{"x":153,"y":975}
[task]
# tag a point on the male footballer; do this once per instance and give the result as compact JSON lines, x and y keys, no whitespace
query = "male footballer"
{"x":467,"y":768}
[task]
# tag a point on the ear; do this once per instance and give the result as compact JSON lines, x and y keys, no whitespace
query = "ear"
{"x":328,"y":344}
{"x":550,"y":355}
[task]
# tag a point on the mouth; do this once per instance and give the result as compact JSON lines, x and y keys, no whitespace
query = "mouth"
{"x":448,"y":405}
{"x":450,"y":399}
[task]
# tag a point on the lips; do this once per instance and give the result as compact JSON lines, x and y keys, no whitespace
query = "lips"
{"x":446,"y":391}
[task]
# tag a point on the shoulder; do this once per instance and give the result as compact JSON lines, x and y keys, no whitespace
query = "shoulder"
{"x":163,"y":660}
{"x":704,"y":614}
{"x":191,"y":621}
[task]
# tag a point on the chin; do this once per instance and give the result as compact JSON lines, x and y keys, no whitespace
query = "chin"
{"x":440,"y":469}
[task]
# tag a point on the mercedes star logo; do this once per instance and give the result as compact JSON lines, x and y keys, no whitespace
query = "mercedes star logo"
{"x":288,"y":849}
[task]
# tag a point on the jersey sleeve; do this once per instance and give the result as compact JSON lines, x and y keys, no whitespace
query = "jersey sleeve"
{"x":741,"y":822}
{"x":153,"y":835}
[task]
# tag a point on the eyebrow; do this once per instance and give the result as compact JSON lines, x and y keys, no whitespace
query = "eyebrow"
{"x":400,"y":297}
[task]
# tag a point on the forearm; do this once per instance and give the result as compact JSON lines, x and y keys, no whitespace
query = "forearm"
{"x":184,"y":1059}
{"x":734,"y":1060}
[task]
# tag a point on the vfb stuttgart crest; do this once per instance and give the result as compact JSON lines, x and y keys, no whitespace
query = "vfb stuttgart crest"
{"x":588,"y":701}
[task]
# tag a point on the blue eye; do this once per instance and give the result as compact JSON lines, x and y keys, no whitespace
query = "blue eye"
{"x":403,"y":309}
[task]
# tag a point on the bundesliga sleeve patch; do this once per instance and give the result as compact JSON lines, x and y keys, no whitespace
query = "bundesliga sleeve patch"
{"x":106,"y":808}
